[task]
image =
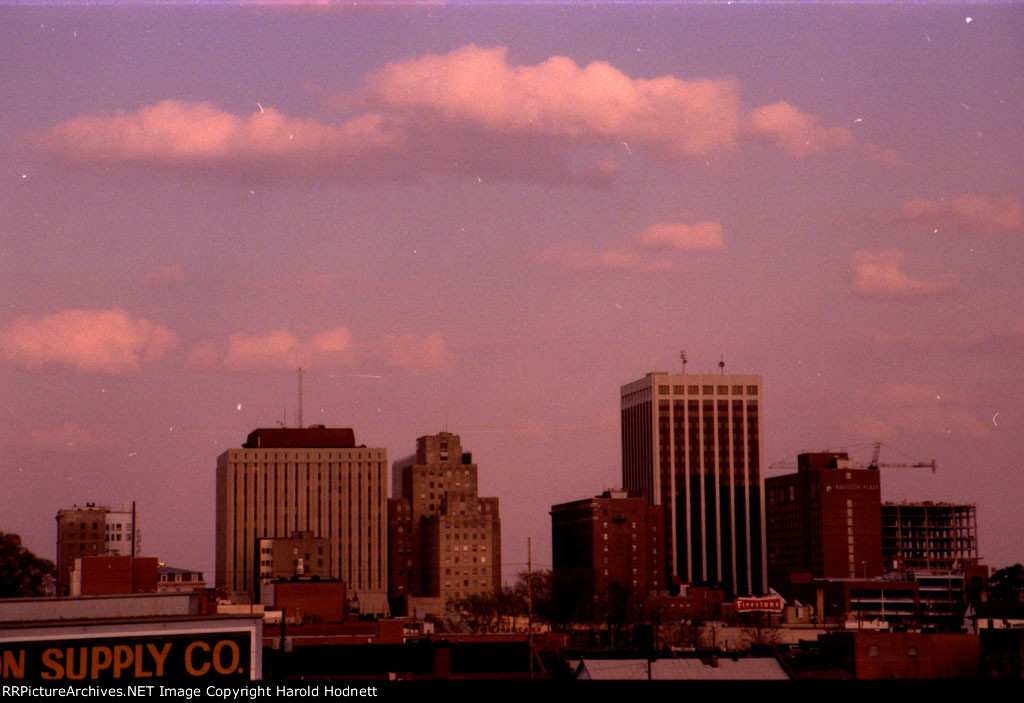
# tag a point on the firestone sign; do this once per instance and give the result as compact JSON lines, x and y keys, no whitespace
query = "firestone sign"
{"x":209,"y":655}
{"x":770,"y":604}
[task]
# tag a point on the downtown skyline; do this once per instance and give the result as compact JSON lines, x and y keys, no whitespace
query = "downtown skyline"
{"x":486,"y":220}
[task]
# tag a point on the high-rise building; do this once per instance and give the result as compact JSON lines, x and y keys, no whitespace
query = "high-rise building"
{"x":88,"y":531}
{"x":692,"y":443}
{"x":612,"y":541}
{"x":313,"y":479}
{"x":824,"y":520}
{"x":929,"y":536}
{"x":445,"y":540}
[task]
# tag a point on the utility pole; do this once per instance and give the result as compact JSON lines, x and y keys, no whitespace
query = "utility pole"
{"x":300,"y":397}
{"x":529,"y":601}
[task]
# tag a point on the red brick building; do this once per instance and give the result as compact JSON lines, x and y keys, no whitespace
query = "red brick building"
{"x":824,"y":520}
{"x":98,"y":576}
{"x":903,"y":655}
{"x":308,"y":601}
{"x":613,"y":541}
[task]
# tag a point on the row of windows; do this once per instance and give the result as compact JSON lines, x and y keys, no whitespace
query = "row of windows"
{"x":707,"y":390}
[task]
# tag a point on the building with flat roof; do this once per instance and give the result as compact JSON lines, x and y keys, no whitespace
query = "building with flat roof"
{"x":929,"y":536}
{"x":614,"y":541}
{"x":445,"y":539}
{"x":692,"y":443}
{"x":91,"y":530}
{"x":314,"y":479}
{"x":171,"y":579}
{"x":824,"y":520}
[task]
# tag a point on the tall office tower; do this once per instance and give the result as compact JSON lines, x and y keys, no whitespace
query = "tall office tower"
{"x":445,"y":538}
{"x":612,"y":541}
{"x":824,"y":520}
{"x":929,"y":536}
{"x":88,"y":531}
{"x":312,"y":479}
{"x":692,"y":442}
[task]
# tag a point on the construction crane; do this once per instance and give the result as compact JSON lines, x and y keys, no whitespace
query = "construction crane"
{"x":874,"y":465}
{"x":789,"y":465}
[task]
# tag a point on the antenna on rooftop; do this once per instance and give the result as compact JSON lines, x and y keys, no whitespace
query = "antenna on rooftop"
{"x":682,"y":357}
{"x":300,"y":397}
{"x":721,"y":365}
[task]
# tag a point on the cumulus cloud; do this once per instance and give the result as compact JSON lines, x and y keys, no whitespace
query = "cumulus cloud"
{"x":95,"y":341}
{"x":965,"y":213}
{"x":892,"y":410}
{"x":411,"y":352}
{"x":795,"y":132}
{"x":469,"y":111}
{"x":677,"y":235}
{"x":878,"y":274}
{"x":333,"y":348}
{"x":573,"y":260}
{"x":331,"y":341}
{"x":1007,"y":336}
{"x":276,"y":349}
{"x":69,"y":436}
{"x":558,"y":97}
{"x":173,"y":133}
{"x":638,"y":255}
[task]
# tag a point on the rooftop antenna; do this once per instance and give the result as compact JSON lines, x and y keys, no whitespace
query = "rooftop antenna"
{"x":300,"y":397}
{"x":682,"y":357}
{"x":721,"y":365}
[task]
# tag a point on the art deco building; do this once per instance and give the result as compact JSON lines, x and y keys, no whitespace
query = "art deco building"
{"x":316,"y":480}
{"x":445,"y":540}
{"x":692,"y":443}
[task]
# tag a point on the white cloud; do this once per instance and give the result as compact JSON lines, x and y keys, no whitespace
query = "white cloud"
{"x":878,"y":274}
{"x":891,"y":410}
{"x":333,"y":348}
{"x":71,"y":436}
{"x":558,"y":97}
{"x":572,"y":260}
{"x":196,"y":135}
{"x":965,"y":213}
{"x":97,"y":341}
{"x":412,"y":352}
{"x":469,"y":111}
{"x":796,"y":132}
{"x":676,"y":235}
{"x":277,"y":349}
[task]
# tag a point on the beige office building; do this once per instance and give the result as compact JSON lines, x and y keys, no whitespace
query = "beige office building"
{"x":445,"y":539}
{"x":692,"y":442}
{"x":315,"y":479}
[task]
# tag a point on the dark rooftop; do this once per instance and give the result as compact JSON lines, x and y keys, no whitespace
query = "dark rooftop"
{"x":300,"y":437}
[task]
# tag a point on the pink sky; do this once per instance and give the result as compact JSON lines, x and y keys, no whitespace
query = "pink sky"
{"x":490,"y":218}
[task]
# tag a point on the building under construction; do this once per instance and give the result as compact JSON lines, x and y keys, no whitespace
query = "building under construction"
{"x":929,"y":536}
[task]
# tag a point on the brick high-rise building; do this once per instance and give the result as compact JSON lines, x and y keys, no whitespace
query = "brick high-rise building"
{"x":312,"y":479}
{"x":614,"y":540}
{"x":824,"y":520}
{"x":692,"y":443}
{"x":445,"y":540}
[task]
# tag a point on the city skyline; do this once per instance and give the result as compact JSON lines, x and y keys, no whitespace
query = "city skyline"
{"x":490,"y":222}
